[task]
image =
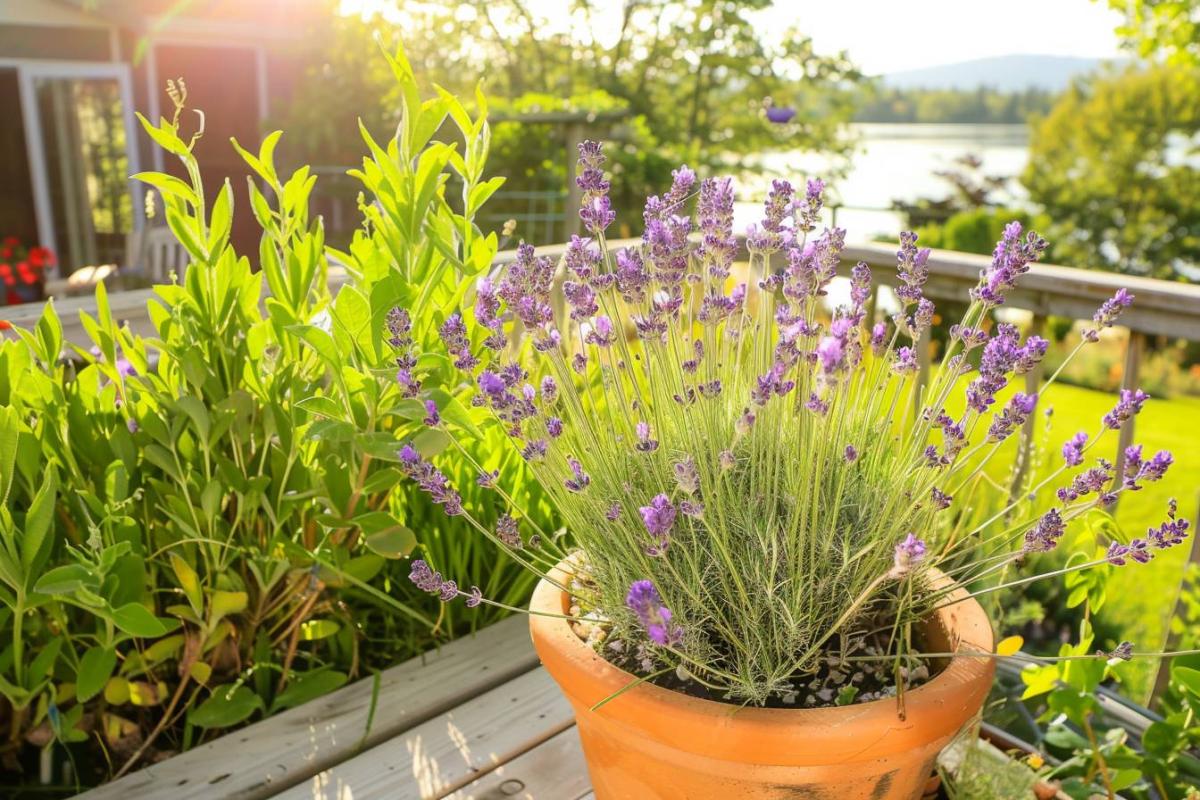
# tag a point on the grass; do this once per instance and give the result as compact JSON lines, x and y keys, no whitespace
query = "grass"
{"x":1141,"y":598}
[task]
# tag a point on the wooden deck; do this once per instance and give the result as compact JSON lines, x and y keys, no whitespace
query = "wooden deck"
{"x":478,"y":719}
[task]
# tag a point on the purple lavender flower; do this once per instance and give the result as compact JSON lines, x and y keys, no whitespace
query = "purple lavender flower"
{"x":508,"y":532}
{"x":1138,"y":470}
{"x":878,"y":337}
{"x":601,"y":334}
{"x":124,"y":368}
{"x":1072,"y":450}
{"x":1043,"y":537}
{"x":645,"y":444}
{"x":970,"y":337}
{"x":1129,"y":404}
{"x":1010,"y":260}
{"x":579,"y":479}
{"x":906,"y":361}
{"x":659,"y":518}
{"x":909,"y":553}
{"x":487,"y":313}
{"x":597,"y":214}
{"x":1171,"y":532}
{"x":727,"y":460}
{"x":428,"y":580}
{"x":686,"y":476}
{"x":581,"y":298}
{"x":1090,"y":481}
{"x":132,"y":425}
{"x":474,"y":597}
{"x":613,"y":513}
{"x":1108,"y":313}
{"x":691,"y":508}
{"x":1137,"y":550}
{"x":487,"y":480}
{"x":549,"y":390}
{"x":1030,"y":355}
{"x":1000,"y":355}
{"x":911,"y":268}
{"x":940,"y":499}
{"x":535,"y":450}
{"x":554,"y":427}
{"x":1012,"y":416}
{"x":646,"y":603}
{"x":772,"y":235}
{"x":454,"y":335}
{"x":430,"y":480}
{"x":526,"y":287}
{"x":432,"y":417}
{"x":632,"y":278}
{"x":850,"y":454}
{"x":714,"y":211}
{"x":809,"y":208}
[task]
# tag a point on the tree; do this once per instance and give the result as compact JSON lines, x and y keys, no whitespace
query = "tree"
{"x":1169,"y":28}
{"x":695,"y":76}
{"x":1110,"y":166}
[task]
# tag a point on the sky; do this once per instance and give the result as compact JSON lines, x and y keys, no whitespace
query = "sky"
{"x":885,"y":36}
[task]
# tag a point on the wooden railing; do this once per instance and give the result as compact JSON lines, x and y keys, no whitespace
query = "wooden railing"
{"x":1161,"y":308}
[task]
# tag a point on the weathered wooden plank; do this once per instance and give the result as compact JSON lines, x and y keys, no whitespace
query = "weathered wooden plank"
{"x":449,"y":751}
{"x":554,"y":770}
{"x":286,"y":749}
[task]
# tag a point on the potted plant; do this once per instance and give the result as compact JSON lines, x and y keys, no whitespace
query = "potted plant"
{"x":761,"y":591}
{"x":22,"y":272}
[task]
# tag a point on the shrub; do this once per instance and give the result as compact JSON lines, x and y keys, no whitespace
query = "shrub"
{"x":195,"y":533}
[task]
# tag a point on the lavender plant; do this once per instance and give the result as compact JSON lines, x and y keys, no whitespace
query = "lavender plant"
{"x":747,"y":480}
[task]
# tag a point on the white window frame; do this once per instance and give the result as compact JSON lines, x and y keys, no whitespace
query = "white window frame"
{"x":28,"y":70}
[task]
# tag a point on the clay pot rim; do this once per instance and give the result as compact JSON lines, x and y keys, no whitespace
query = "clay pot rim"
{"x":935,"y":710}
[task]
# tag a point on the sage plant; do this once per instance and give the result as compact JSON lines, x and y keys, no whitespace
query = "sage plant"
{"x":747,"y":480}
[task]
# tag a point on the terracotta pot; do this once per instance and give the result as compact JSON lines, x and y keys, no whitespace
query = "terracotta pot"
{"x":655,"y":743}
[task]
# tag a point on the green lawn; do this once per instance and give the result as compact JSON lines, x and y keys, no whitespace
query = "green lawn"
{"x":1141,"y":597}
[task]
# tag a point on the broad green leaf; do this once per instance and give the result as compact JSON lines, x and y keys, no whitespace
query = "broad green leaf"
{"x":226,"y":603}
{"x":95,"y":668}
{"x":65,"y":580}
{"x":228,"y":705}
{"x":386,"y":535}
{"x":38,"y":523}
{"x":1187,"y":677}
{"x":323,"y":406}
{"x":189,"y":581}
{"x":431,"y":441}
{"x":10,"y":428}
{"x":315,"y":629}
{"x":136,"y":620}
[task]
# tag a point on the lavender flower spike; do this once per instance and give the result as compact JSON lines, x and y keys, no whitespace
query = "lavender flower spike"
{"x":1108,"y":313}
{"x":909,"y":553}
{"x":644,"y":600}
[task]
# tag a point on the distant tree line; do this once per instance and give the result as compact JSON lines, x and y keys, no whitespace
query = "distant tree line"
{"x":982,"y":105}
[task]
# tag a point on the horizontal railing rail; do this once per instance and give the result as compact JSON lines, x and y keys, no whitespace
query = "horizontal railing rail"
{"x":1165,"y":308}
{"x":1161,"y":308}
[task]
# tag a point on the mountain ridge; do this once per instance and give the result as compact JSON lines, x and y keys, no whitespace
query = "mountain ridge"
{"x":1008,"y":73}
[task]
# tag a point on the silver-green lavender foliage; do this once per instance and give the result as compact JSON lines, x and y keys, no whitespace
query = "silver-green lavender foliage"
{"x":747,"y":477}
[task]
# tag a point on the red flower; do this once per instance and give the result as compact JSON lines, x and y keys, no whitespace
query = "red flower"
{"x":12,"y":241}
{"x":41,"y":257}
{"x":5,"y":325}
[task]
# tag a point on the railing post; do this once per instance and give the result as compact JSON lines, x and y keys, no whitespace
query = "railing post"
{"x":575,"y":133}
{"x":924,"y":348}
{"x":1033,"y":379}
{"x":1129,"y":380}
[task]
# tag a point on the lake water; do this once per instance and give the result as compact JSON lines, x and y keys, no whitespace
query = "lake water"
{"x":896,"y":162}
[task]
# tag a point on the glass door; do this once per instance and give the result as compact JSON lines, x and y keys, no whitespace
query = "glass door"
{"x":83,"y":153}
